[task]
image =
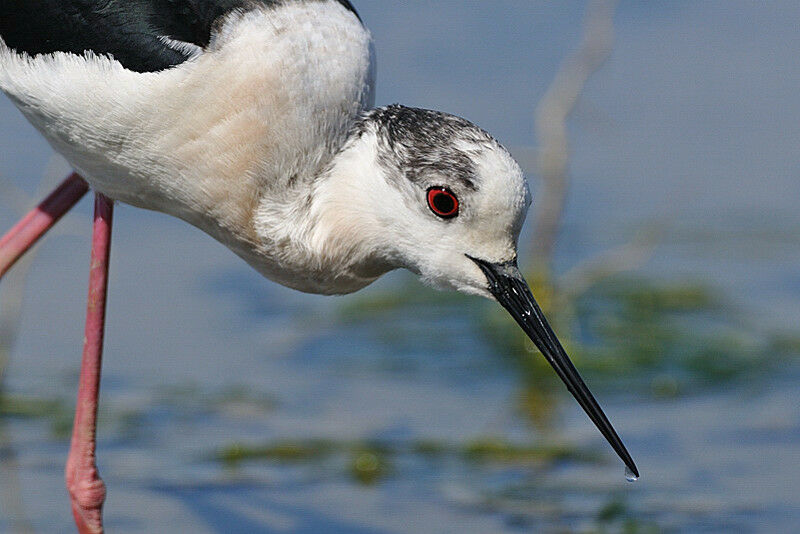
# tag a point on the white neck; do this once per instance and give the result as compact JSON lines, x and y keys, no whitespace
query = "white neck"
{"x":323,"y":238}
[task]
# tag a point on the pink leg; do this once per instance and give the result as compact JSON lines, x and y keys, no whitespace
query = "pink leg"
{"x":86,"y":488}
{"x":34,"y":225}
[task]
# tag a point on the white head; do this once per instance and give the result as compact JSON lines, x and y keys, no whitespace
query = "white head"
{"x":426,"y":191}
{"x":439,"y":196}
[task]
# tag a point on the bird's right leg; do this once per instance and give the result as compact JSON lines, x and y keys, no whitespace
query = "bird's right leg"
{"x":36,"y":223}
{"x":87,"y":490}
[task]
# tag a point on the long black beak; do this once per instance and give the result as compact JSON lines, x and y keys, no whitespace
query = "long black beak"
{"x":511,"y":291}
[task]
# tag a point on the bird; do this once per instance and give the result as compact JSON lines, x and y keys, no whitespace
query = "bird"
{"x":255,"y":121}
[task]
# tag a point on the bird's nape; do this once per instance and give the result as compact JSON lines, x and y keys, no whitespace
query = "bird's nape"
{"x":511,"y":290}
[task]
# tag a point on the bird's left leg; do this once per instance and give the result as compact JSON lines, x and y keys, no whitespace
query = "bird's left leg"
{"x":86,"y":489}
{"x":34,"y":225}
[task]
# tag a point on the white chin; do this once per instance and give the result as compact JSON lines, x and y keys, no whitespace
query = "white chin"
{"x":467,"y":288}
{"x":479,"y":291}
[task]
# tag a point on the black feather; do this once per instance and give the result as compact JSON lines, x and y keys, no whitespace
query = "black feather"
{"x":423,"y":143}
{"x":129,"y":30}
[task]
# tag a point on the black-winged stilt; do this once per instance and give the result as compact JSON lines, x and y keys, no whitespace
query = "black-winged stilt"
{"x":253,"y":120}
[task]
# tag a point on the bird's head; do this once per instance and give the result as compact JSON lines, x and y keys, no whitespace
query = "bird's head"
{"x":437,"y":195}
{"x":434,"y":194}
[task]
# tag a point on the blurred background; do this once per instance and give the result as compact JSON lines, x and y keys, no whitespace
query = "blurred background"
{"x":661,"y":142}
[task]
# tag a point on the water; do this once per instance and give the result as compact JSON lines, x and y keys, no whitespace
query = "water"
{"x":630,"y":476}
{"x":410,"y":420}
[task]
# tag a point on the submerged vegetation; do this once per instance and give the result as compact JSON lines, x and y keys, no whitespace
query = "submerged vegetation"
{"x":625,"y":333}
{"x":368,"y":462}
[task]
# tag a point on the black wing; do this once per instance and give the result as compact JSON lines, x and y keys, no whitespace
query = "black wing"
{"x":131,"y":31}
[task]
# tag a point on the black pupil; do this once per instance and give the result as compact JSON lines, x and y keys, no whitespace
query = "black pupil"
{"x":444,"y":203}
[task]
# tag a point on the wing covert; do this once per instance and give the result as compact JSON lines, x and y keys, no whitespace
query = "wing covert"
{"x":136,"y":33}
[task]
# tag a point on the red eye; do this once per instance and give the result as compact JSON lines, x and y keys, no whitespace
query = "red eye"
{"x":442,"y":202}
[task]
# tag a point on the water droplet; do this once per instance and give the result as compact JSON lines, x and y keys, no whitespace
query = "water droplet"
{"x":630,"y":476}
